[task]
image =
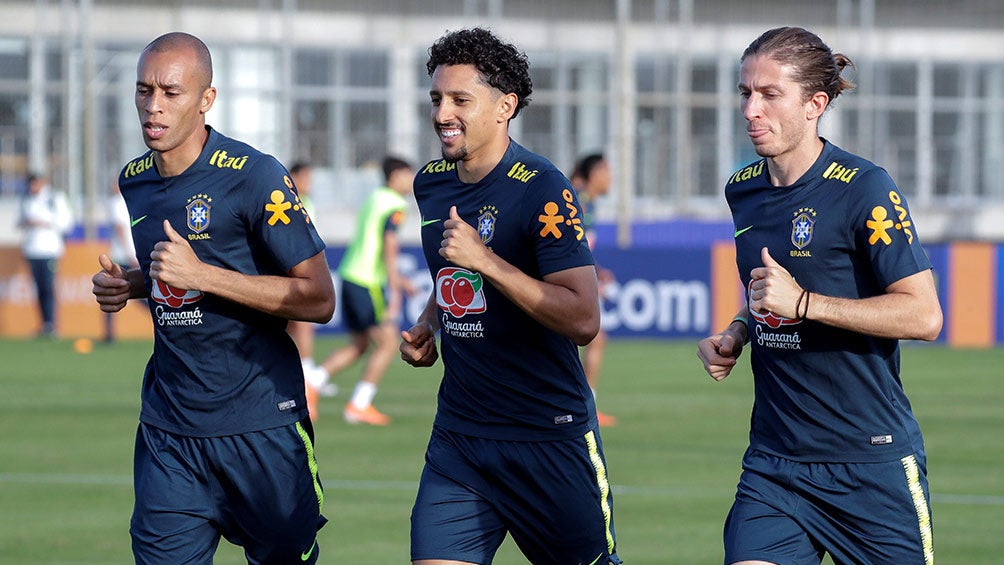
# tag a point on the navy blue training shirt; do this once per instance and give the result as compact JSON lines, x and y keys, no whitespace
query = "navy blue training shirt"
{"x":825,"y":394}
{"x":506,"y":376}
{"x":219,"y":368}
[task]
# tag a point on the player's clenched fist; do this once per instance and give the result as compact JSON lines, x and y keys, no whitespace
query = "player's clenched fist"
{"x":418,"y":345}
{"x":110,"y":285}
{"x":719,"y":353}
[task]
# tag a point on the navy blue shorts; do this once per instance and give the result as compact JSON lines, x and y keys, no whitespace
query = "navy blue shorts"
{"x":793,"y":513}
{"x":363,"y":307}
{"x":552,"y":497}
{"x":258,"y":490}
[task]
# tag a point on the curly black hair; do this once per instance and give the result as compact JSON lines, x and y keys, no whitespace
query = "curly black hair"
{"x":500,"y":64}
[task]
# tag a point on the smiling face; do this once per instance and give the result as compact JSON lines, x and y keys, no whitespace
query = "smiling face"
{"x":172,"y":98}
{"x":470,"y":117}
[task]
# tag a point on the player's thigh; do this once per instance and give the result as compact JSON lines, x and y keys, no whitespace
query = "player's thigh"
{"x":762,"y":523}
{"x":756,"y":532}
{"x":273,"y":494}
{"x":172,"y":519}
{"x":452,"y":521}
{"x":555,"y":498}
{"x":871,"y":512}
{"x":361,"y":306}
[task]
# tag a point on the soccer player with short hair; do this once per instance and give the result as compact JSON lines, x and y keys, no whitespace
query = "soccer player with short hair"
{"x":591,"y":180}
{"x":227,"y":254}
{"x":515,"y":445}
{"x":835,"y":277}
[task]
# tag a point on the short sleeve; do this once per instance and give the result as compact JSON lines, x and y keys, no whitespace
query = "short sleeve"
{"x":556,"y":224}
{"x":884,"y":228}
{"x":278,"y":217}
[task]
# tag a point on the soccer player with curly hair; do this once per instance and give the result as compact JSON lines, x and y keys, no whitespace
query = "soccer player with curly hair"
{"x":515,"y":446}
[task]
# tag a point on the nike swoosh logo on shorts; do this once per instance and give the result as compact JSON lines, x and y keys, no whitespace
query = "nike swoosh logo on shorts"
{"x":132,"y":222}
{"x":742,"y":231}
{"x":306,"y":554}
{"x":597,"y":560}
{"x":427,"y":222}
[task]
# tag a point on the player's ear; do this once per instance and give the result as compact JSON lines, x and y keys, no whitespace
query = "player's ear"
{"x":506,"y":106}
{"x":816,"y":105}
{"x":208,"y":98}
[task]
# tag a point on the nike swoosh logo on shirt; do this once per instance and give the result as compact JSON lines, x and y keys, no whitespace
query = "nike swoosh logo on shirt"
{"x":132,"y":223}
{"x":427,"y":222}
{"x":597,"y":560}
{"x":306,"y":554}
{"x":742,"y":231}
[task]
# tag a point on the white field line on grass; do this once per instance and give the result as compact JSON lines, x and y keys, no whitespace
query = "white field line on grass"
{"x":408,"y":486}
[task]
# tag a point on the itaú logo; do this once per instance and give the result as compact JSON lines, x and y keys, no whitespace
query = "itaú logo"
{"x":174,"y":297}
{"x":771,"y":319}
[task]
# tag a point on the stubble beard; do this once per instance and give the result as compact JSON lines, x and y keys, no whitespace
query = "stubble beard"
{"x":458,"y":155}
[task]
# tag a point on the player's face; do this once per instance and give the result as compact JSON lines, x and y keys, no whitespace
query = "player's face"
{"x":778,"y":117}
{"x":466,"y":113}
{"x":171,"y":100}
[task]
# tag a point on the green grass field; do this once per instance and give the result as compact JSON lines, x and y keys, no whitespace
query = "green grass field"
{"x":67,"y":424}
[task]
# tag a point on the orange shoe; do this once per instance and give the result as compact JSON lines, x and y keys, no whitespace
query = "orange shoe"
{"x":368,"y":415}
{"x":606,"y":420}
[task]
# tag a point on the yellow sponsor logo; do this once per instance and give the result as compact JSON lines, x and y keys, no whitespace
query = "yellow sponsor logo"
{"x":836,"y":171}
{"x":881,"y":223}
{"x":278,"y":207}
{"x":752,"y":171}
{"x":222,"y":160}
{"x":439,"y":167}
{"x":138,"y":166}
{"x":521,"y":173}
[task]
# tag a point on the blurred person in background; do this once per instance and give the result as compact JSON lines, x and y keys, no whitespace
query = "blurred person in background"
{"x":303,"y":333}
{"x":372,"y":294}
{"x":515,"y":446}
{"x":44,"y":218}
{"x":227,"y":255}
{"x":836,"y":461}
{"x":591,"y":180}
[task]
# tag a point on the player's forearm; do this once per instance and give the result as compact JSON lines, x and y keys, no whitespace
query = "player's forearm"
{"x":560,"y":302}
{"x":428,"y":315}
{"x":892,"y":315}
{"x":292,"y":298}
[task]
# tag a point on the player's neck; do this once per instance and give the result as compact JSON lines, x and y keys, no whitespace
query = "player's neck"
{"x":175,"y":161}
{"x":787,"y":168}
{"x":477,"y":165}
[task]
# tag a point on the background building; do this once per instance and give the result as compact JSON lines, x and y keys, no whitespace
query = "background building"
{"x":651,"y":82}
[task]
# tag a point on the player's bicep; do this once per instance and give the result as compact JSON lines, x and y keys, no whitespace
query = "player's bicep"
{"x":923,"y":306}
{"x":579,"y":280}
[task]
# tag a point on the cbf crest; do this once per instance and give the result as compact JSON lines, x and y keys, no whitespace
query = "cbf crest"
{"x":802,"y":227}
{"x":198,"y":212}
{"x":487,"y":216}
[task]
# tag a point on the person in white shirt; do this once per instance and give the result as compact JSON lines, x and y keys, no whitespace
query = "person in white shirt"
{"x":45,"y":218}
{"x":120,"y":244}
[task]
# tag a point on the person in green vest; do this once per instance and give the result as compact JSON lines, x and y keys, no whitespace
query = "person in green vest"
{"x":372,"y":292}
